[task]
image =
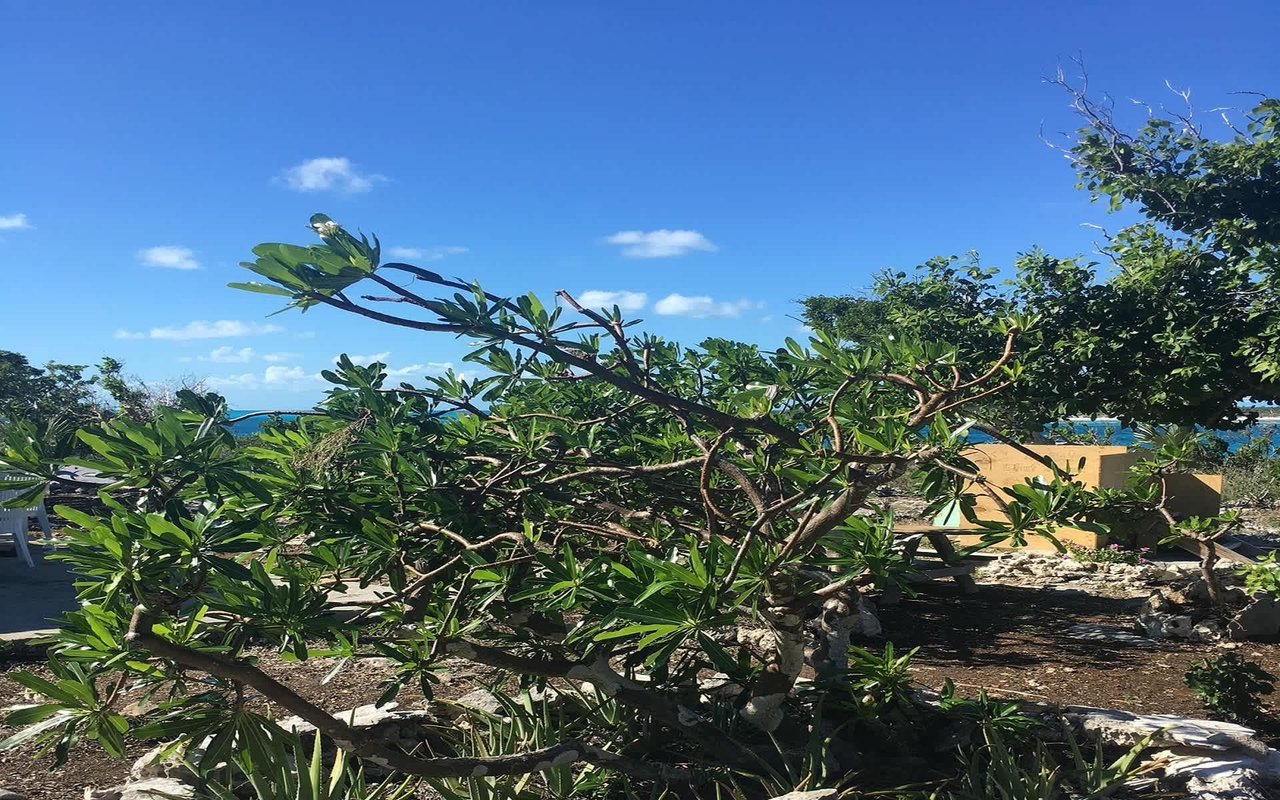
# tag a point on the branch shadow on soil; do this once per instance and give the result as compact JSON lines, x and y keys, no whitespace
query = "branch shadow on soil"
{"x":1012,"y":626}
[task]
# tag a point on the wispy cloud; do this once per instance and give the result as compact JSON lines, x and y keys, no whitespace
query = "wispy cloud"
{"x":419,"y":370}
{"x":702,"y":307}
{"x":660,"y":243}
{"x":624,"y":300}
{"x":425,"y":253}
{"x":242,"y":355}
{"x":168,"y":257}
{"x":14,"y":222}
{"x":412,"y":370}
{"x":287,"y":377}
{"x":276,"y":378}
{"x":200,"y":329}
{"x":296,"y":379}
{"x":329,"y":174}
{"x":229,"y":355}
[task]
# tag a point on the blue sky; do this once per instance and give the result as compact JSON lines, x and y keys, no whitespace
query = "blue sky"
{"x":722,"y":159}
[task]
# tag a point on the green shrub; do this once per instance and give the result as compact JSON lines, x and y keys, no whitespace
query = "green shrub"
{"x":1251,"y":475}
{"x":1230,"y":686}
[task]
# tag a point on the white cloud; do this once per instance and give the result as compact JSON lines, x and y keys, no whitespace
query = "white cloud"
{"x":228,"y":355}
{"x":291,"y":379}
{"x":660,"y":244}
{"x":168,"y":257}
{"x":14,"y":222}
{"x":329,"y":175}
{"x":200,"y":329}
{"x":425,"y":253}
{"x":412,"y":370}
{"x":418,"y":370}
{"x":278,"y":376}
{"x":231,"y":355}
{"x":245,"y":380}
{"x":599,"y":298}
{"x":701,"y":307}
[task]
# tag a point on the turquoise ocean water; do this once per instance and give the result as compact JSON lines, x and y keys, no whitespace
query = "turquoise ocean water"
{"x":1268,"y":428}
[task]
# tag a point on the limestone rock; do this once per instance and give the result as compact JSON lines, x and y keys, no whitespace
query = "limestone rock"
{"x":158,"y":789}
{"x":9,"y":794}
{"x":1223,"y":777}
{"x":366,"y":716}
{"x":482,"y":700}
{"x":1126,"y":728}
{"x":1260,"y":619}
{"x":1207,"y":631}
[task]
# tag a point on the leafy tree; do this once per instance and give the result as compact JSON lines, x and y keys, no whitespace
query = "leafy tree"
{"x":42,"y":395}
{"x":602,"y":507}
{"x":1184,"y":326}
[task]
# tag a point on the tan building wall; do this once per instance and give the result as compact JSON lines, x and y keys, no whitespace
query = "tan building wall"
{"x":1095,"y":467}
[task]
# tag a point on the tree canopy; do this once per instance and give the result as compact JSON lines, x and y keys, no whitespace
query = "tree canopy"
{"x":41,"y":395}
{"x":1180,"y":325}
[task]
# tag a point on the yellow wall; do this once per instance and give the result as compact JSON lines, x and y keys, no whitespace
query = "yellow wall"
{"x":1095,"y":467}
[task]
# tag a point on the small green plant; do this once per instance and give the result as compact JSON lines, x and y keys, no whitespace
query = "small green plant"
{"x":296,"y":770}
{"x":528,"y":721}
{"x":1095,"y":776}
{"x":1111,"y":554}
{"x":1002,"y":768}
{"x":1230,"y":686}
{"x":1006,"y":718}
{"x":995,"y":771}
{"x":1262,"y":576}
{"x":881,"y":679}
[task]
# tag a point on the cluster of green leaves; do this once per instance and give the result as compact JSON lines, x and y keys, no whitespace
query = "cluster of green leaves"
{"x":1262,"y":576}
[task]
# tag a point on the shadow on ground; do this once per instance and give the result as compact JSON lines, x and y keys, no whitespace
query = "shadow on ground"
{"x":1011,"y":626}
{"x":31,"y":597}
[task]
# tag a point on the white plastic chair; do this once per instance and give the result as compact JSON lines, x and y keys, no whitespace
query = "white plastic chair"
{"x":15,"y":521}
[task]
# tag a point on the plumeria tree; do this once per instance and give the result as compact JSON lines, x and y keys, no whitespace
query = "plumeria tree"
{"x":598,"y":508}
